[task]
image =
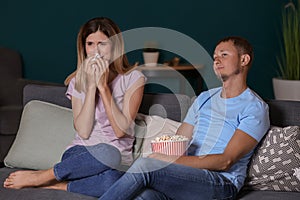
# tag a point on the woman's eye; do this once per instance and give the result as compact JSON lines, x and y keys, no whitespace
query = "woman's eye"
{"x":89,"y":43}
{"x":103,"y":43}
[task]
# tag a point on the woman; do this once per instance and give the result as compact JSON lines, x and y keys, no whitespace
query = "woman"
{"x":100,"y":90}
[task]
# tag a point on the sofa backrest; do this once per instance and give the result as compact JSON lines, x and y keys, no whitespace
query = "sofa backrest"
{"x":11,"y":72}
{"x":284,"y":113}
{"x":172,"y":106}
{"x":47,"y":93}
{"x":166,"y":105}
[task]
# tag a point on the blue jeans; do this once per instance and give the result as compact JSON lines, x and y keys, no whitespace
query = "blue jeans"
{"x":89,"y":170}
{"x":174,"y":181}
{"x":150,"y":194}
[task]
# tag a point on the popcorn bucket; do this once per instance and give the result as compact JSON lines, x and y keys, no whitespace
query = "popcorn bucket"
{"x":175,"y":148}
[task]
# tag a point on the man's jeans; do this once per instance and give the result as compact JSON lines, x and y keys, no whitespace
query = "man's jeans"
{"x":89,"y":170}
{"x":172,"y":180}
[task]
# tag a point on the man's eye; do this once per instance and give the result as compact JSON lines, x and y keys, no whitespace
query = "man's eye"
{"x":224,"y":54}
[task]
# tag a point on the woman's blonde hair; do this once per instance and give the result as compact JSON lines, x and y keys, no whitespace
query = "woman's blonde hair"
{"x":119,"y":63}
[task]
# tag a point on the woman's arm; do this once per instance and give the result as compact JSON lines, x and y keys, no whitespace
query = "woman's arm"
{"x":84,"y":113}
{"x":239,"y":145}
{"x":120,"y":120}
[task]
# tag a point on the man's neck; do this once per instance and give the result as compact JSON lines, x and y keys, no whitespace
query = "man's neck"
{"x":233,"y":87}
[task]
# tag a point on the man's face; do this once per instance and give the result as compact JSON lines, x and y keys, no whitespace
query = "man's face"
{"x":226,"y":60}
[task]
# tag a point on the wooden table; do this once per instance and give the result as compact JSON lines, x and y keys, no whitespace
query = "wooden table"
{"x":181,"y":73}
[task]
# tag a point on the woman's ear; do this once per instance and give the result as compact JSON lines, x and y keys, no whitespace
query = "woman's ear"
{"x":245,"y":59}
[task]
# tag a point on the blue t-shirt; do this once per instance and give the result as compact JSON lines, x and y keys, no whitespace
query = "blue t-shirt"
{"x":215,"y":120}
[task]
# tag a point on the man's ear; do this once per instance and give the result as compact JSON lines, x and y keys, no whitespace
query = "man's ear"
{"x":245,"y":59}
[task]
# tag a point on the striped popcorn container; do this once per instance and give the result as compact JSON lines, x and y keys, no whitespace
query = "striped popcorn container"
{"x":176,"y":148}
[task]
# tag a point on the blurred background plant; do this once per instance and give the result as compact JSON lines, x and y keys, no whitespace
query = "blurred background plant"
{"x":289,"y":57}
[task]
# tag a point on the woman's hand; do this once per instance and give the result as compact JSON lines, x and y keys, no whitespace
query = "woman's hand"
{"x":97,"y":72}
{"x":90,"y":69}
{"x":102,"y":73}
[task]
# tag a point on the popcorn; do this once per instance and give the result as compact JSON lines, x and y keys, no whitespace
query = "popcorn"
{"x":168,"y":138}
{"x":170,"y":145}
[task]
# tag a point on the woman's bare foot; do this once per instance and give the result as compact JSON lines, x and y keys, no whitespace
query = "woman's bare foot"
{"x":21,"y":179}
{"x":57,"y":186}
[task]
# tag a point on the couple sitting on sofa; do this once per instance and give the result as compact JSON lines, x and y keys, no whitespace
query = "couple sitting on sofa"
{"x":224,"y":126}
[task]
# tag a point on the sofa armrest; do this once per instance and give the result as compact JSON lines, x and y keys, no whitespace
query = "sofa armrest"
{"x":9,"y":119}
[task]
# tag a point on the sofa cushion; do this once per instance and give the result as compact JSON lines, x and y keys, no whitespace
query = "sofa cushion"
{"x":147,"y":128}
{"x":35,"y":193}
{"x":171,"y":106}
{"x":44,"y":132}
{"x":46,"y":129}
{"x":275,"y":164}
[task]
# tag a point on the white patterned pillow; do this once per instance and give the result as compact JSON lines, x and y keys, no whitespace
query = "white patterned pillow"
{"x":275,"y":164}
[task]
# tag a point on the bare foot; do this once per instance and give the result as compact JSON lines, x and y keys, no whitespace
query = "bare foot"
{"x":57,"y":186}
{"x":21,"y":179}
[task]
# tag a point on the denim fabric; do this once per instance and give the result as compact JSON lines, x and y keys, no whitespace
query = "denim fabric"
{"x":95,"y":185}
{"x":149,"y":194}
{"x":173,"y":180}
{"x":89,"y":170}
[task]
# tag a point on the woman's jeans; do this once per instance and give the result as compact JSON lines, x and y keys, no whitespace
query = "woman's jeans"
{"x":89,"y":170}
{"x":173,"y":181}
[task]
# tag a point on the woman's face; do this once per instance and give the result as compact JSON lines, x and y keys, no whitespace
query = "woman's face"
{"x":99,"y":43}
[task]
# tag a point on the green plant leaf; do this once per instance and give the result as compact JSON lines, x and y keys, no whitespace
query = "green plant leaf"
{"x":289,"y":57}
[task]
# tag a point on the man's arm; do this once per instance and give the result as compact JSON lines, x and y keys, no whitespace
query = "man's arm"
{"x":186,"y":130}
{"x":239,"y":145}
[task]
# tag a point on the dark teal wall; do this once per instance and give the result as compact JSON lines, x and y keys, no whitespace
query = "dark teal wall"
{"x":44,"y":32}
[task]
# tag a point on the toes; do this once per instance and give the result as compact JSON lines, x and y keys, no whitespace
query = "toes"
{"x":12,"y":175}
{"x":7,"y":183}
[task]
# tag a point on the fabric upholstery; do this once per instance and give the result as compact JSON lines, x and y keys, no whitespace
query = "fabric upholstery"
{"x":46,"y":93}
{"x":284,"y":113}
{"x":35,"y":193}
{"x":45,"y":131}
{"x":11,"y":72}
{"x":148,"y":127}
{"x":172,"y":106}
{"x":10,"y":97}
{"x":276,"y":162}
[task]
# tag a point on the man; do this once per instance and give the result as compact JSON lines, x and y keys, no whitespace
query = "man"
{"x":224,"y":124}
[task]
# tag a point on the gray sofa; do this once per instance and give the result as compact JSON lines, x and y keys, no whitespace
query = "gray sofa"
{"x":282,"y":113}
{"x":11,"y":93}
